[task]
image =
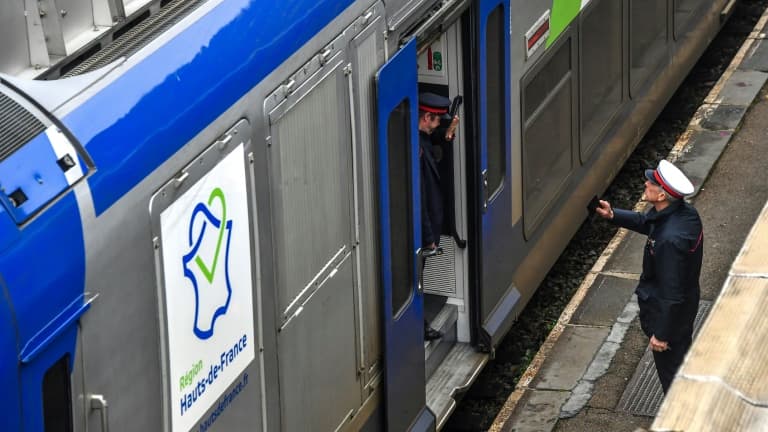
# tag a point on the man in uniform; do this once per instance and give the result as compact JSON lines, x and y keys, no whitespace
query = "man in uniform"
{"x":432,"y":108}
{"x":668,"y":291}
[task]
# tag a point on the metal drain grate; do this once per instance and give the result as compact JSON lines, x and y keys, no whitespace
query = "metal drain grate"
{"x":643,"y":395}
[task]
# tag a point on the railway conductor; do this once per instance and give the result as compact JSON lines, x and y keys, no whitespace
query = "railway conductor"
{"x":668,"y":291}
{"x":432,"y":108}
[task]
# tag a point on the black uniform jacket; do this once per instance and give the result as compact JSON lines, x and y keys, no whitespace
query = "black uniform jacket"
{"x":431,"y":194}
{"x":668,"y":292}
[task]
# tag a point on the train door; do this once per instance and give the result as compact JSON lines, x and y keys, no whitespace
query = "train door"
{"x":497,"y":296}
{"x":311,"y":162}
{"x":401,"y":261}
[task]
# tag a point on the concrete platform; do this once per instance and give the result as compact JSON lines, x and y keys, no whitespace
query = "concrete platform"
{"x":570,"y":358}
{"x":604,"y":302}
{"x":576,"y":381}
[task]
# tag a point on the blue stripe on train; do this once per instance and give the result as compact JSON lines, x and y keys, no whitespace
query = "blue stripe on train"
{"x":153,"y":109}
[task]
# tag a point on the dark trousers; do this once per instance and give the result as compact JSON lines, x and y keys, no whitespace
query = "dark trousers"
{"x":667,"y":362}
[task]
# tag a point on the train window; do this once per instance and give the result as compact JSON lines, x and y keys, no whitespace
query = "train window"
{"x":600,"y":76}
{"x":538,"y":88}
{"x":647,"y":39}
{"x":684,"y":11}
{"x":57,"y":399}
{"x":400,"y":211}
{"x":547,"y":133}
{"x":495,"y":108}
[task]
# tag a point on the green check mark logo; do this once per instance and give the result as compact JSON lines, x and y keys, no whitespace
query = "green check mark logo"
{"x":215,"y":194}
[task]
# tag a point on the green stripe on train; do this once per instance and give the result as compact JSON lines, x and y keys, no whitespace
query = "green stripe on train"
{"x":563,"y":12}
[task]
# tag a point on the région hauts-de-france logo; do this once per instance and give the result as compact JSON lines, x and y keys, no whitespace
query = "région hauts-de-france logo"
{"x":206,"y":264}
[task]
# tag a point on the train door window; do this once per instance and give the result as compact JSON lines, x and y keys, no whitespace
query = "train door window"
{"x":684,"y":11}
{"x":600,"y":77}
{"x":647,"y":39}
{"x":548,"y":130}
{"x":400,"y":220}
{"x":57,"y":399}
{"x":495,"y":107}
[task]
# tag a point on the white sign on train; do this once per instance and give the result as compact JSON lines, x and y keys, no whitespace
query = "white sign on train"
{"x":209,"y":308}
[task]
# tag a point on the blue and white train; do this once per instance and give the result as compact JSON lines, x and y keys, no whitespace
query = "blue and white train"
{"x":210,"y":208}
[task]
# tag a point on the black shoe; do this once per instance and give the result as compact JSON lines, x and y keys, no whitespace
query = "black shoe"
{"x":432,"y":334}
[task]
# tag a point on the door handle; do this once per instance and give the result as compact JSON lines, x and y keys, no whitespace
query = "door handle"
{"x":485,"y":190}
{"x":423,"y":254}
{"x":99,"y":402}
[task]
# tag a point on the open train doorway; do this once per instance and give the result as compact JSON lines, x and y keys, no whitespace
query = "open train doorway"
{"x":445,"y":274}
{"x":443,"y":297}
{"x":451,"y":362}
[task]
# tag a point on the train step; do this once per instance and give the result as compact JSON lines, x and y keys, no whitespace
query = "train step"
{"x":436,"y":350}
{"x":454,"y":376}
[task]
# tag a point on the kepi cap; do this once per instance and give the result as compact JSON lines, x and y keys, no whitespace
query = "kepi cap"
{"x":435,"y":104}
{"x":671,"y":179}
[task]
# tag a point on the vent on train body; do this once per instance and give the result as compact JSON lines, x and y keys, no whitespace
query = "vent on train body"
{"x":38,"y":160}
{"x":17,"y":126}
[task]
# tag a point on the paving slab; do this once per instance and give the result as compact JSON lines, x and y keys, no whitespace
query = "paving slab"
{"x":742,"y":87}
{"x":704,"y":149}
{"x":570,"y":358}
{"x":628,"y":256}
{"x":538,"y":411}
{"x":757,"y":57}
{"x":605,"y":301}
{"x":601,"y":363}
{"x":610,"y":387}
{"x":722,"y":117}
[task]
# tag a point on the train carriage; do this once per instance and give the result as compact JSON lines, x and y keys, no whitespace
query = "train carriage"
{"x":210,"y":208}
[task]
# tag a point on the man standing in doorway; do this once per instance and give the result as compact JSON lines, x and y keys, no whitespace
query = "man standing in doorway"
{"x":432,"y":108}
{"x":668,"y":291}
